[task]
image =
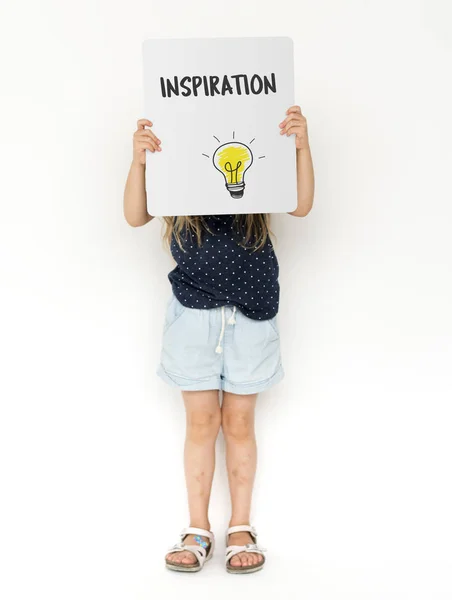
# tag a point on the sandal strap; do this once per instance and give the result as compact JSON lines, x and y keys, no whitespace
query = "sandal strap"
{"x":238,"y":528}
{"x":233,"y":550}
{"x":198,"y":551}
{"x":197,"y":531}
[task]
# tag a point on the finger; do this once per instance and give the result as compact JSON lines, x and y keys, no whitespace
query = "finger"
{"x":141,"y":123}
{"x":148,"y":146}
{"x":152,"y":134}
{"x":152,"y":146}
{"x":290,"y":121}
{"x":145,"y":134}
{"x":293,"y":109}
{"x":292,"y":130}
{"x":292,"y":117}
{"x":293,"y":124}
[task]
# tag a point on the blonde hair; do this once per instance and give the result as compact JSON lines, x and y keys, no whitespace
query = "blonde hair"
{"x":252,"y":230}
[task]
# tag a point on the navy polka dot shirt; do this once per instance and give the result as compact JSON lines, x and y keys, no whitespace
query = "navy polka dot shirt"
{"x":221,"y":272}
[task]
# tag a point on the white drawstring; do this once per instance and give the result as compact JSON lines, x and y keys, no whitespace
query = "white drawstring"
{"x":231,"y":321}
{"x":219,"y":349}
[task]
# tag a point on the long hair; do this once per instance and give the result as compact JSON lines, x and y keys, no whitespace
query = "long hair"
{"x":252,"y":230}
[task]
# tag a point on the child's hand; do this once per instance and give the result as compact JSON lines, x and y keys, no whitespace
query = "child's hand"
{"x":296,"y":123}
{"x":144,"y":139}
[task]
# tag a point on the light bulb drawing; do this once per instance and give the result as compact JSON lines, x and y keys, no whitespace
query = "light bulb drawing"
{"x":232,"y":160}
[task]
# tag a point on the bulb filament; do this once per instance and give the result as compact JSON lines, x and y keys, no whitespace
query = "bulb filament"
{"x":229,"y":169}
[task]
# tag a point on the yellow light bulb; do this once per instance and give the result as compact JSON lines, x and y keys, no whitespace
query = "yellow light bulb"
{"x":232,"y":160}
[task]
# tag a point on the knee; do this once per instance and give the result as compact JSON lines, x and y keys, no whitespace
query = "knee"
{"x":237,"y":425}
{"x":203,"y":425}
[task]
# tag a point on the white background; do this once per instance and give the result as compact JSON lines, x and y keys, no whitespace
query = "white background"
{"x":179,"y":179}
{"x":353,"y":492}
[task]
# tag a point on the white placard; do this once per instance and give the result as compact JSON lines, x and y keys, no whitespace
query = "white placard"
{"x":216,"y":105}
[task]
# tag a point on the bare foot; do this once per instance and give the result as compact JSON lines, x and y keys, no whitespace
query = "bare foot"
{"x":243,"y":559}
{"x":185,"y":557}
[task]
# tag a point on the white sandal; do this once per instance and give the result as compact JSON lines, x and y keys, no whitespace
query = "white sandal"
{"x":201,"y":554}
{"x":233,"y":550}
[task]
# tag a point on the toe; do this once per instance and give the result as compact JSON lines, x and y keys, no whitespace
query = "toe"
{"x":188,"y":558}
{"x":235,"y":561}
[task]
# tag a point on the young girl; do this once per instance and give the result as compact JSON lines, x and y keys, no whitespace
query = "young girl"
{"x":220,"y":333}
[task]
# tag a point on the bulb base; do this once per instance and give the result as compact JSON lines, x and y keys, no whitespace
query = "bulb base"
{"x":235,"y":189}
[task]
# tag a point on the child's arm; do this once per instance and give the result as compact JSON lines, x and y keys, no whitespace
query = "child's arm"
{"x":295,"y":123}
{"x":135,"y":206}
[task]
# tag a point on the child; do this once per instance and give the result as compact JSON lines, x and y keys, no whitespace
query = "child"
{"x":220,"y":333}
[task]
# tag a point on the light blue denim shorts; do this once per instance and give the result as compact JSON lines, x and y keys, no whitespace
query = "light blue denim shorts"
{"x":219,"y":348}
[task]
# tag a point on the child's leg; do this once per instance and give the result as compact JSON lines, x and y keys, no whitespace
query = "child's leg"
{"x":241,"y":452}
{"x":203,"y":423}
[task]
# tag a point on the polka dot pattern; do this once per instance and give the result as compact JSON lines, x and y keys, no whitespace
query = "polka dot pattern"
{"x":221,"y":272}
